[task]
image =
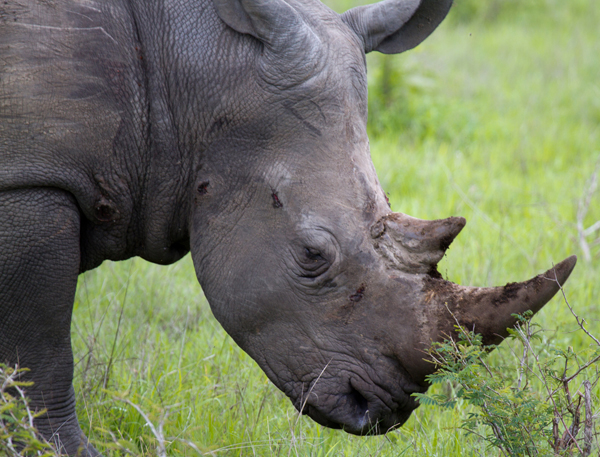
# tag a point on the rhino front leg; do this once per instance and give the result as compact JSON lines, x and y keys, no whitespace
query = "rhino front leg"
{"x":39,"y":265}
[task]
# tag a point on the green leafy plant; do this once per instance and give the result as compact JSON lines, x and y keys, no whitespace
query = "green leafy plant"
{"x":544,"y":408}
{"x":18,"y":435}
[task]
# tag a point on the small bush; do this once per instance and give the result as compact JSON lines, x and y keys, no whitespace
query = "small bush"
{"x":544,"y":408}
{"x":18,"y":435}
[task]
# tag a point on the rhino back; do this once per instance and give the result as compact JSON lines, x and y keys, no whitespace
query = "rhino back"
{"x":68,"y":84}
{"x":72,"y":107}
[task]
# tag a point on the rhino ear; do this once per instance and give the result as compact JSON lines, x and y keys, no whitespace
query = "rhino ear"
{"x":395,"y":26}
{"x":235,"y":16}
{"x":271,"y":21}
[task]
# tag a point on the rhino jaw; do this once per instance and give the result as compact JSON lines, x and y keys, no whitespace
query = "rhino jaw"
{"x":362,"y":406}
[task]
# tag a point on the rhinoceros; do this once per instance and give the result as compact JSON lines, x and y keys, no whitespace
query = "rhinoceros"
{"x":234,"y":129}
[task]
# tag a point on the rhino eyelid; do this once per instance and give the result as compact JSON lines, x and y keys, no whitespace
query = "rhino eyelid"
{"x":313,"y":254}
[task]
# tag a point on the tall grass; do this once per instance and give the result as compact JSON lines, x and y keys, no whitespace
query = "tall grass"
{"x":495,"y":118}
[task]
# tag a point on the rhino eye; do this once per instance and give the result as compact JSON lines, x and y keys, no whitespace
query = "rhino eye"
{"x":313,"y":254}
{"x":313,"y":263}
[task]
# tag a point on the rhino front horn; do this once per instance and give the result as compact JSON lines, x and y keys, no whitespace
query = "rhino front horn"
{"x":489,"y":311}
{"x":415,"y":245}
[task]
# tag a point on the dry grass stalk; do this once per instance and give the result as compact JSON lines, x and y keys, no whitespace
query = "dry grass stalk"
{"x":582,"y":210}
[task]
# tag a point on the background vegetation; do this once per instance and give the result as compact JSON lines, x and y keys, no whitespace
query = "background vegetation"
{"x":495,"y":118}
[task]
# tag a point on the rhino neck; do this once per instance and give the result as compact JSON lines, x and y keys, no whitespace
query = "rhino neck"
{"x":193,"y":84}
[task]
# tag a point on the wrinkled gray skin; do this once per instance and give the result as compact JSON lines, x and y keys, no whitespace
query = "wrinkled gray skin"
{"x":234,"y":129}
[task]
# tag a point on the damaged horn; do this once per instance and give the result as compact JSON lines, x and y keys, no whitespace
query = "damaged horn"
{"x":414,"y":245}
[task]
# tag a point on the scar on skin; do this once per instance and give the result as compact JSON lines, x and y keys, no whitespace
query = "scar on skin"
{"x":387,"y":200}
{"x":203,"y":188}
{"x":276,"y":202}
{"x":348,"y":308}
{"x":359,"y":294}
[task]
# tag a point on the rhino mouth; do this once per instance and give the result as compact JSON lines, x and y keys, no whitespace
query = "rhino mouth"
{"x":362,"y":409}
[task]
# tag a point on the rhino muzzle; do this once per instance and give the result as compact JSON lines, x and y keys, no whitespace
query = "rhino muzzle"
{"x":360,"y":405}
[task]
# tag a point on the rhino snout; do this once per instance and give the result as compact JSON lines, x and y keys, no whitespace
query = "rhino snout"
{"x":356,"y":405}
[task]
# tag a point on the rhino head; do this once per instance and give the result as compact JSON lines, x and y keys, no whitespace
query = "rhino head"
{"x":335,"y":296}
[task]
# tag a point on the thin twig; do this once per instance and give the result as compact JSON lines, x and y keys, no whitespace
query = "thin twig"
{"x":466,"y":333}
{"x":589,"y":423}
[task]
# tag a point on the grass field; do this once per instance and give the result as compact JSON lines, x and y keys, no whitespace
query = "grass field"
{"x":495,"y":118}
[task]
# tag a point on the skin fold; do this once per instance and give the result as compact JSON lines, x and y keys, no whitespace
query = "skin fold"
{"x":234,"y":129}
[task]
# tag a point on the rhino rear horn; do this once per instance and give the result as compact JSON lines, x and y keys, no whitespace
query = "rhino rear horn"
{"x":395,"y":26}
{"x":415,"y":245}
{"x":420,"y":235}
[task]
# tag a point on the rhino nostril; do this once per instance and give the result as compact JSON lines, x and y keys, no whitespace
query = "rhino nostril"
{"x":362,"y":421}
{"x":362,"y":405}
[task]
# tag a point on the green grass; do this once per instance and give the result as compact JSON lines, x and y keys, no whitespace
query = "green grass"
{"x":494,"y":119}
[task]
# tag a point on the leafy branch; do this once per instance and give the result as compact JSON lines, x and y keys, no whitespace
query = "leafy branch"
{"x":545,"y":408}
